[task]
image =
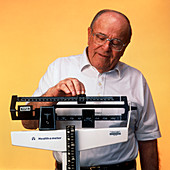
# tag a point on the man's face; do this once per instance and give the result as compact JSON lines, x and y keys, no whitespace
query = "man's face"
{"x":104,"y":57}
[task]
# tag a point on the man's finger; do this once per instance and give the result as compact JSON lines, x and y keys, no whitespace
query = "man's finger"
{"x":63,"y":87}
{"x":77,"y":86}
{"x":71,"y":86}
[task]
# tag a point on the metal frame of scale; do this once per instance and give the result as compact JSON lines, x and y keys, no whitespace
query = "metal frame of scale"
{"x":70,"y":141}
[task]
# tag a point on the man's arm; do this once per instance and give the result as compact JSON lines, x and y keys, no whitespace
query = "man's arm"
{"x":66,"y":87}
{"x":149,"y":155}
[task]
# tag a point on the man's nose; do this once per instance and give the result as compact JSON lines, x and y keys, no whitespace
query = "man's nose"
{"x":106,"y":46}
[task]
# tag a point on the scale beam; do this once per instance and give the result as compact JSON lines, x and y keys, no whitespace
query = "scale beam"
{"x":47,"y":115}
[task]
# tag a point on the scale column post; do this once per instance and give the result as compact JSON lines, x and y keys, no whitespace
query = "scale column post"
{"x":64,"y":160}
{"x":71,"y":149}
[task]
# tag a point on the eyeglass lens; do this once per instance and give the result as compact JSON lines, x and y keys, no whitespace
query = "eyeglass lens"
{"x":101,"y":39}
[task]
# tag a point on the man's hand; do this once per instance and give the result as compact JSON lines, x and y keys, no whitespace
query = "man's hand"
{"x":66,"y":87}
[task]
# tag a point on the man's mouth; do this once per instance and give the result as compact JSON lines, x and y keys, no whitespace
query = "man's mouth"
{"x":104,"y":55}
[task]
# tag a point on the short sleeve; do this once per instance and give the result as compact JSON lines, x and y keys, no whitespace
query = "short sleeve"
{"x":49,"y":78}
{"x":147,"y":127}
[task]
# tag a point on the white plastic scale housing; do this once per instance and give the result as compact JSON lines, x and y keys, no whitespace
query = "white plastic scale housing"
{"x":87,"y":138}
{"x":55,"y":140}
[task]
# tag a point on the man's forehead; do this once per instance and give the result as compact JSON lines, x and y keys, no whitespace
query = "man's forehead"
{"x":110,"y":18}
{"x":110,"y":23}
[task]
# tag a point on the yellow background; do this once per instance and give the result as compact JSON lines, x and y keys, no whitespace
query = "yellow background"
{"x":33,"y":33}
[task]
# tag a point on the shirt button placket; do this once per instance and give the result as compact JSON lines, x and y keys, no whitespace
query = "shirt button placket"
{"x":100,"y":85}
{"x":100,"y":90}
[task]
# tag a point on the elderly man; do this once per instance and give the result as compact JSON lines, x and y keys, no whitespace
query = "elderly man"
{"x":98,"y":71}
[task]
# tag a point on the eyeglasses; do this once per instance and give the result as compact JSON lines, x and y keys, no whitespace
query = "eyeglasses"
{"x":115,"y":43}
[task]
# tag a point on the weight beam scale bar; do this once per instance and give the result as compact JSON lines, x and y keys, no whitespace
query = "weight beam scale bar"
{"x":47,"y":116}
{"x":80,"y":99}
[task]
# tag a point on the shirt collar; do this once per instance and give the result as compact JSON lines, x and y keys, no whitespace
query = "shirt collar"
{"x":84,"y":63}
{"x":117,"y":69}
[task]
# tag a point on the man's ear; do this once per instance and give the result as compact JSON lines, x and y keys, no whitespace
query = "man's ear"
{"x":89,"y":34}
{"x":123,"y":50}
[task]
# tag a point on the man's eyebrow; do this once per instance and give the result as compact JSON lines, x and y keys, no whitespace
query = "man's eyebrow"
{"x":102,"y":34}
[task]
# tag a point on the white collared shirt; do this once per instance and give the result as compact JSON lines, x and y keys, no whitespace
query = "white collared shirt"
{"x":123,"y":80}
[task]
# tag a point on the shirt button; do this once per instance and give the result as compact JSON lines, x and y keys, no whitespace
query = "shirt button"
{"x":99,"y":84}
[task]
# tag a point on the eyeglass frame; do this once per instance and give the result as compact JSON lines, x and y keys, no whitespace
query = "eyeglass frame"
{"x":107,"y":39}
